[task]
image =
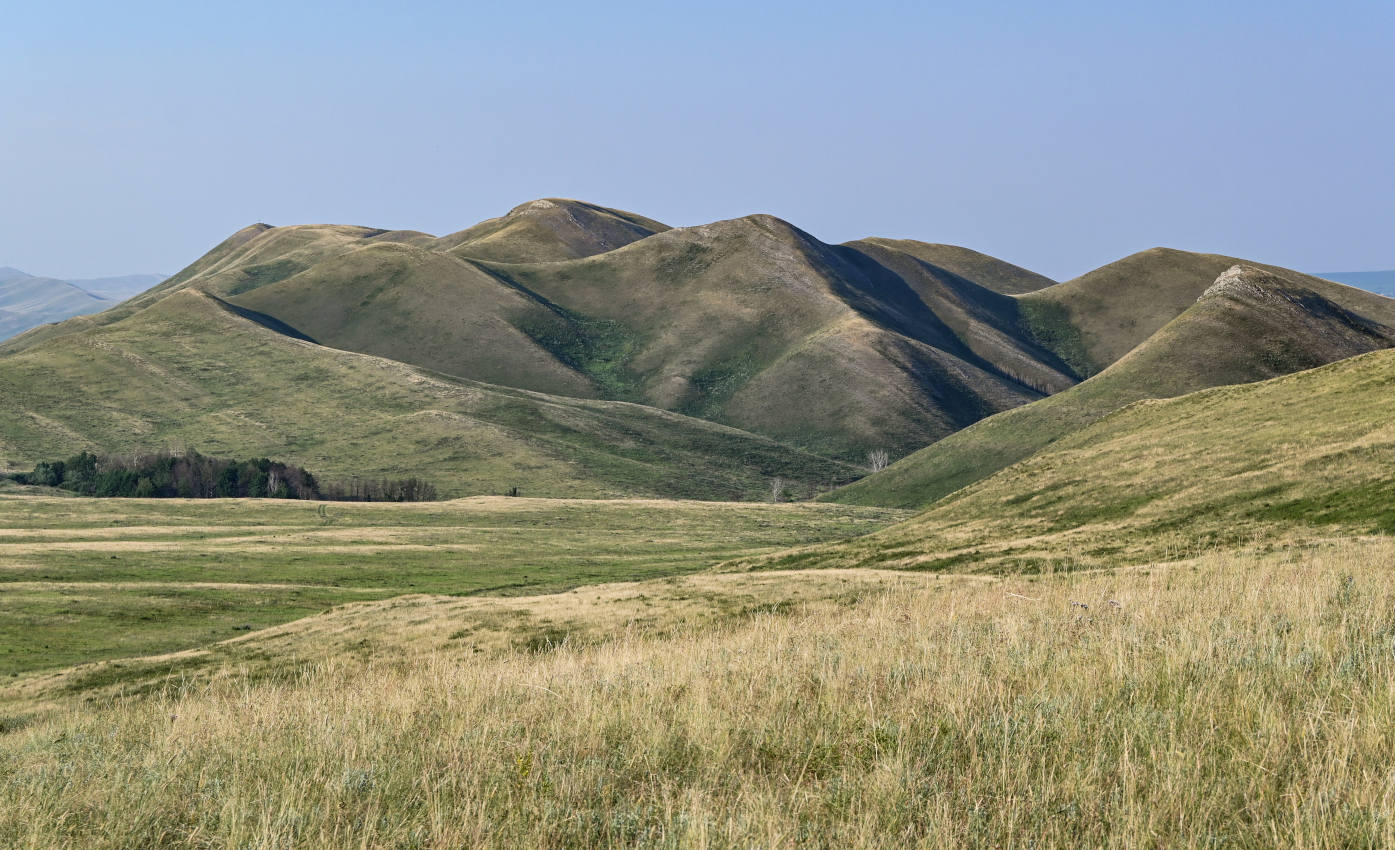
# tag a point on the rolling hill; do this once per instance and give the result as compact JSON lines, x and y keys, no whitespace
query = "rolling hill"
{"x":193,"y":370}
{"x":750,"y":322}
{"x":1299,"y":458}
{"x":1251,"y":323}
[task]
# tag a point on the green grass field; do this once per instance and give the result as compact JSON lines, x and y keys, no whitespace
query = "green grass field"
{"x":89,"y":579}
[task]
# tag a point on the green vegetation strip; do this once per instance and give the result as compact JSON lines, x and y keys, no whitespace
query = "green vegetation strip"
{"x":90,"y":579}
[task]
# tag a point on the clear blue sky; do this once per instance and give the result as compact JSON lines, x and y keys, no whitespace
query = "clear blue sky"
{"x":1058,"y":135}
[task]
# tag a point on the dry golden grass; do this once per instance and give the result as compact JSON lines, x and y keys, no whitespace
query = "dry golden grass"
{"x":1233,"y":700}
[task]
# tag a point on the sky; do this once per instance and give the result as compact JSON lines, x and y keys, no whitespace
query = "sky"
{"x":1059,"y":136}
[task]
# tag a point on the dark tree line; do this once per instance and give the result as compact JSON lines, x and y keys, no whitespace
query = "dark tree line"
{"x":191,"y":475}
{"x":382,"y":490}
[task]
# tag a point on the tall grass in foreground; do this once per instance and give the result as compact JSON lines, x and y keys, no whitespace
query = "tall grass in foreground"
{"x":1243,"y":702}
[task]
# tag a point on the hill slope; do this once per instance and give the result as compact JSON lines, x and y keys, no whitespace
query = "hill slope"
{"x":1250,"y":325}
{"x":1300,"y":457}
{"x":1097,"y":318}
{"x":755,"y":323}
{"x":191,"y":370}
{"x":749,"y":322}
{"x":988,"y":272}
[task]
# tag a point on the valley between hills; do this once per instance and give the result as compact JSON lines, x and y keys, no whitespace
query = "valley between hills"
{"x":1135,"y":523}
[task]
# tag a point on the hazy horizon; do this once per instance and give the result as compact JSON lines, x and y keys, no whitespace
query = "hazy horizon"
{"x":1058,"y":139}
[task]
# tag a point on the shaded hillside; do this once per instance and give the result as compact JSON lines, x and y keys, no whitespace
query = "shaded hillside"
{"x":1250,"y":325}
{"x":988,"y":272}
{"x":1100,"y":316}
{"x":549,"y":229}
{"x":755,"y":323}
{"x":426,"y":308}
{"x":1301,"y":457}
{"x":191,"y":371}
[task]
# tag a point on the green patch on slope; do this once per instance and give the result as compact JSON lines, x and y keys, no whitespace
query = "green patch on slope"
{"x":601,"y":349}
{"x":1048,"y":323}
{"x":264,"y":274}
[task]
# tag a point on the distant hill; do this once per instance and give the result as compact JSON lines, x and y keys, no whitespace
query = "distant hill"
{"x":27,"y":301}
{"x":1248,"y":324}
{"x":1380,"y":282}
{"x":118,"y":288}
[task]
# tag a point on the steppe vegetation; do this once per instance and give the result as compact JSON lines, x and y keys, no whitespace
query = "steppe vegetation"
{"x":1127,"y":583}
{"x":1236,"y":700}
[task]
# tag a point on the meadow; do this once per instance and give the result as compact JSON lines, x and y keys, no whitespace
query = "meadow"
{"x":89,"y":579}
{"x":1238,"y":699}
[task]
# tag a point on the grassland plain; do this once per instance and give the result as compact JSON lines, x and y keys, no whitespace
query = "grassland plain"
{"x":1238,"y":700}
{"x":192,"y":371}
{"x":1300,"y":457}
{"x":90,"y":579}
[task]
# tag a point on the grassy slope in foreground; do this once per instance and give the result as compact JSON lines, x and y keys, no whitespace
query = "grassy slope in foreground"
{"x":1250,"y":325}
{"x":1239,"y":700}
{"x":86,"y":579}
{"x":1301,"y":456}
{"x":190,"y":371}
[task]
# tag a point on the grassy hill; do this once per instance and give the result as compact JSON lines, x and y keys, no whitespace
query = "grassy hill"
{"x":878,"y":344}
{"x":427,"y":308}
{"x":192,"y":370}
{"x":1097,"y":318}
{"x":547,"y":230}
{"x":837,"y":350}
{"x":755,"y":323}
{"x":1300,"y":457}
{"x":1252,"y":323}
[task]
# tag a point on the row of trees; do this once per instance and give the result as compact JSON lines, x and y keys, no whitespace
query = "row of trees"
{"x":191,"y":475}
{"x":381,"y":490}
